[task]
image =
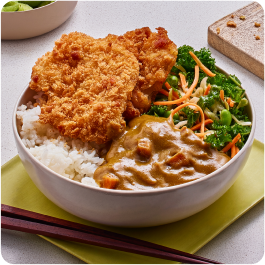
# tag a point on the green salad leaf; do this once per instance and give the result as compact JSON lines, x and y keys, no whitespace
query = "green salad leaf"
{"x":159,"y":110}
{"x":209,"y":100}
{"x":218,"y":139}
{"x":239,"y":114}
{"x":224,"y":134}
{"x":191,"y":116}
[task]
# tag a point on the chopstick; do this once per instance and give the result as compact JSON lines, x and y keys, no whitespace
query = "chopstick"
{"x":26,"y":221}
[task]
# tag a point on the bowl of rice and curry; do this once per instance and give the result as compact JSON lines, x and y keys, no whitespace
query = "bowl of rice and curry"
{"x":130,"y":130}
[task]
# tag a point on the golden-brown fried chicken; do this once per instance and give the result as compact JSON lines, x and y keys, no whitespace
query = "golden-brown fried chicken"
{"x":88,"y":83}
{"x":92,"y":85}
{"x":156,"y":55}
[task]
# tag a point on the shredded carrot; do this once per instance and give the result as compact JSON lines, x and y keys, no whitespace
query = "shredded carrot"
{"x":233,"y":151}
{"x":167,"y":85}
{"x":164,"y":92}
{"x":222,"y":95}
{"x":175,"y":94}
{"x":197,"y":126}
{"x":230,"y":102}
{"x":203,"y":67}
{"x":237,"y":150}
{"x":228,"y":146}
{"x":187,"y":95}
{"x":183,"y":81}
{"x":207,"y":90}
{"x":200,"y":134}
{"x":187,"y":104}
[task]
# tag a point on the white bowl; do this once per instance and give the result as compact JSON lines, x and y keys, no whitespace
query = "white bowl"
{"x":132,"y":208}
{"x":31,"y":23}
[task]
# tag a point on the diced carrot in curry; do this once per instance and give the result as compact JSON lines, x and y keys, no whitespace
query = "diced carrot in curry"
{"x":109,"y":181}
{"x":179,"y":159}
{"x":144,"y":147}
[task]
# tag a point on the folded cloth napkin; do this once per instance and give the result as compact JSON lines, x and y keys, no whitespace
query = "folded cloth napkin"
{"x":187,"y":235}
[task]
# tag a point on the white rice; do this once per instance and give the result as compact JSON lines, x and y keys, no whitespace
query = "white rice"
{"x":68,"y":157}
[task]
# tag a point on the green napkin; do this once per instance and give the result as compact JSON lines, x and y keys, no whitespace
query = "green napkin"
{"x":187,"y":235}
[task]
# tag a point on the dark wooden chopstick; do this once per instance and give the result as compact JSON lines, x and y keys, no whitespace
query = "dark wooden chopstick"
{"x":31,"y":222}
{"x":44,"y":219}
{"x":66,"y":234}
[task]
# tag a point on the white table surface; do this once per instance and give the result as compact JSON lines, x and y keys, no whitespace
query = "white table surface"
{"x":186,"y":23}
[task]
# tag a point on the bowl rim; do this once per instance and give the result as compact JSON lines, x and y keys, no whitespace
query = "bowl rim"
{"x":137,"y":192}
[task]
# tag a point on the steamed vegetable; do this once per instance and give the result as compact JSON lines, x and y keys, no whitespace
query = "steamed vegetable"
{"x":13,"y":6}
{"x":10,"y":6}
{"x":31,"y":3}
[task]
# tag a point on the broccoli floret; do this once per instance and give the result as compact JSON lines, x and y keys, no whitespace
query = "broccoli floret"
{"x":157,"y":110}
{"x":205,"y":56}
{"x":184,"y":59}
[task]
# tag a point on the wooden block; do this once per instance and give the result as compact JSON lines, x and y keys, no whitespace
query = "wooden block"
{"x":240,"y":43}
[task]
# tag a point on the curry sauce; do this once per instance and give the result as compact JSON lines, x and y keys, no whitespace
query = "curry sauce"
{"x":152,"y":153}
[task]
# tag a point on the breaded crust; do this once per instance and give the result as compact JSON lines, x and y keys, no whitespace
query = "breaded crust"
{"x":156,"y":55}
{"x":88,"y":83}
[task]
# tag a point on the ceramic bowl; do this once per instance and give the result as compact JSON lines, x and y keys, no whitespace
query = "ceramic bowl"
{"x":132,"y":208}
{"x":32,"y":23}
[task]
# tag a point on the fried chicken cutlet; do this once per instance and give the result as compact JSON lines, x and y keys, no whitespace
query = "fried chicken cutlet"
{"x":92,"y":85}
{"x":156,"y":55}
{"x":88,"y":83}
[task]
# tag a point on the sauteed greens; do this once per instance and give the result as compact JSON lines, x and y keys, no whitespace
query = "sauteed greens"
{"x":220,"y":97}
